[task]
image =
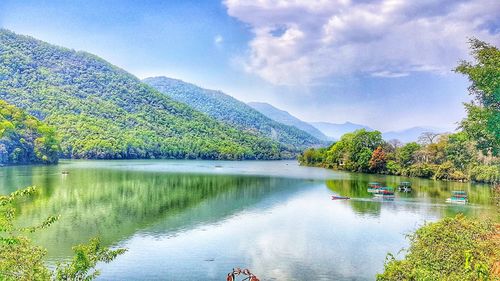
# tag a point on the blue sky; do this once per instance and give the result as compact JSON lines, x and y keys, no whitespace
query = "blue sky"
{"x":386,"y":63}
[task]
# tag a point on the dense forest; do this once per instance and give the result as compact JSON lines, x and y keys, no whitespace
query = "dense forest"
{"x":232,"y":111}
{"x":470,"y":154}
{"x":101,"y":111}
{"x":25,"y":139}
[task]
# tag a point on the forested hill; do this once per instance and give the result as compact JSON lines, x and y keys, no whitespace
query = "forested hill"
{"x":101,"y":111}
{"x":232,"y":111}
{"x":286,"y":118}
{"x":24,"y":139}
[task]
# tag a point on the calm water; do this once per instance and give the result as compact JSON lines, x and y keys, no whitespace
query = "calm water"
{"x":196,"y":220}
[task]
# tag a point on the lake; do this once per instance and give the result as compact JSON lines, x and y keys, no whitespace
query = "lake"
{"x":196,"y":220}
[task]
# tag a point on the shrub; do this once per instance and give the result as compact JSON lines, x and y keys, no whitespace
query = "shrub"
{"x":452,"y":249}
{"x":487,"y":174}
{"x":423,"y":170}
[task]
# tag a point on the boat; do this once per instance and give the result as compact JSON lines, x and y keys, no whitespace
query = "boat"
{"x":404,"y":186}
{"x":373,"y":187}
{"x":385,"y":192}
{"x":458,"y":197}
{"x":338,"y":197}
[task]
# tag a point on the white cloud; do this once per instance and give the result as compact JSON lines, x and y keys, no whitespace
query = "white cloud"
{"x":300,"y":41}
{"x":218,"y":39}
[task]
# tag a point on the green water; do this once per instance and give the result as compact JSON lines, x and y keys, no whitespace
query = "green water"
{"x":196,"y":220}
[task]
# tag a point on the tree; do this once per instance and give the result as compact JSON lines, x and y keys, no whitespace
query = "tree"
{"x":22,"y":260}
{"x":406,"y":154}
{"x":378,"y":160}
{"x":426,"y":138}
{"x":482,"y":123}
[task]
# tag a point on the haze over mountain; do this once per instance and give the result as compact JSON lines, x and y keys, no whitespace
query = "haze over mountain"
{"x":101,"y":111}
{"x":335,"y":131}
{"x":411,"y":134}
{"x":286,"y":118}
{"x":231,"y":111}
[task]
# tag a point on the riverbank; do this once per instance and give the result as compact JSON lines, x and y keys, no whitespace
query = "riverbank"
{"x":445,"y":157}
{"x":404,"y":174}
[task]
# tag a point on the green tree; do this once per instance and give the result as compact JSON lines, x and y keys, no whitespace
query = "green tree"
{"x":406,"y":154}
{"x":482,"y":123}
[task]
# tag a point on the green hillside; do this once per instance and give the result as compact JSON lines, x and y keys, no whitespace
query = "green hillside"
{"x":232,"y":111}
{"x":24,"y":139}
{"x":286,"y":118}
{"x":101,"y":111}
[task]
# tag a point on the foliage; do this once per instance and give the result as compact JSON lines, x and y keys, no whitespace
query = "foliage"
{"x":406,"y":154}
{"x":378,"y":160}
{"x":485,"y":173}
{"x":312,"y":155}
{"x":101,"y":111}
{"x":232,"y":111}
{"x":443,"y":157}
{"x":482,"y":123}
{"x":24,"y":139}
{"x":354,"y":150}
{"x":452,"y":249}
{"x":21,"y":260}
{"x":86,"y":258}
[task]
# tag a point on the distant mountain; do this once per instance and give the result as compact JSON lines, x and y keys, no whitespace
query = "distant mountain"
{"x":101,"y":111}
{"x":233,"y":112}
{"x":286,"y":118}
{"x":335,"y":131}
{"x":411,"y":134}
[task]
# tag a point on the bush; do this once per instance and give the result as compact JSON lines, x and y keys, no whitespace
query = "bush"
{"x":487,"y":174}
{"x":393,"y":168}
{"x":452,"y":249}
{"x":423,"y":170}
{"x":444,"y":171}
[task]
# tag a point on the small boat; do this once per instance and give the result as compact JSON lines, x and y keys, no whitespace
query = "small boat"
{"x":65,"y":172}
{"x":458,"y":197}
{"x":404,"y":186}
{"x":338,"y":197}
{"x":385,"y":192}
{"x":373,"y":187}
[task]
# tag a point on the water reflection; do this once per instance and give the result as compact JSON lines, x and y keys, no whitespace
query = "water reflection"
{"x":182,"y":220}
{"x":426,"y":194}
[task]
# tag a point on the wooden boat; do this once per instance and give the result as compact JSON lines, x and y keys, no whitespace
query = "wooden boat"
{"x":385,"y":192}
{"x":373,"y":187}
{"x":338,"y":197}
{"x":404,"y":186}
{"x":458,"y":197}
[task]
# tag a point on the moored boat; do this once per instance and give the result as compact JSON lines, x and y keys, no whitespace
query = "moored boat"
{"x":385,"y":192}
{"x":404,"y":186}
{"x":458,"y":197}
{"x":373,"y":187}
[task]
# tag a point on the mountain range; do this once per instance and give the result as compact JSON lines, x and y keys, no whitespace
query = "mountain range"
{"x":102,"y":111}
{"x":233,"y":112}
{"x":286,"y":118}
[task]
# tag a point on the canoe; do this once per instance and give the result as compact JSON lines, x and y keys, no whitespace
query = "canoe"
{"x":336,"y":197}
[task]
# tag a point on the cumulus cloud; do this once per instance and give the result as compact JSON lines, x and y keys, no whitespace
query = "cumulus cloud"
{"x":301,"y":41}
